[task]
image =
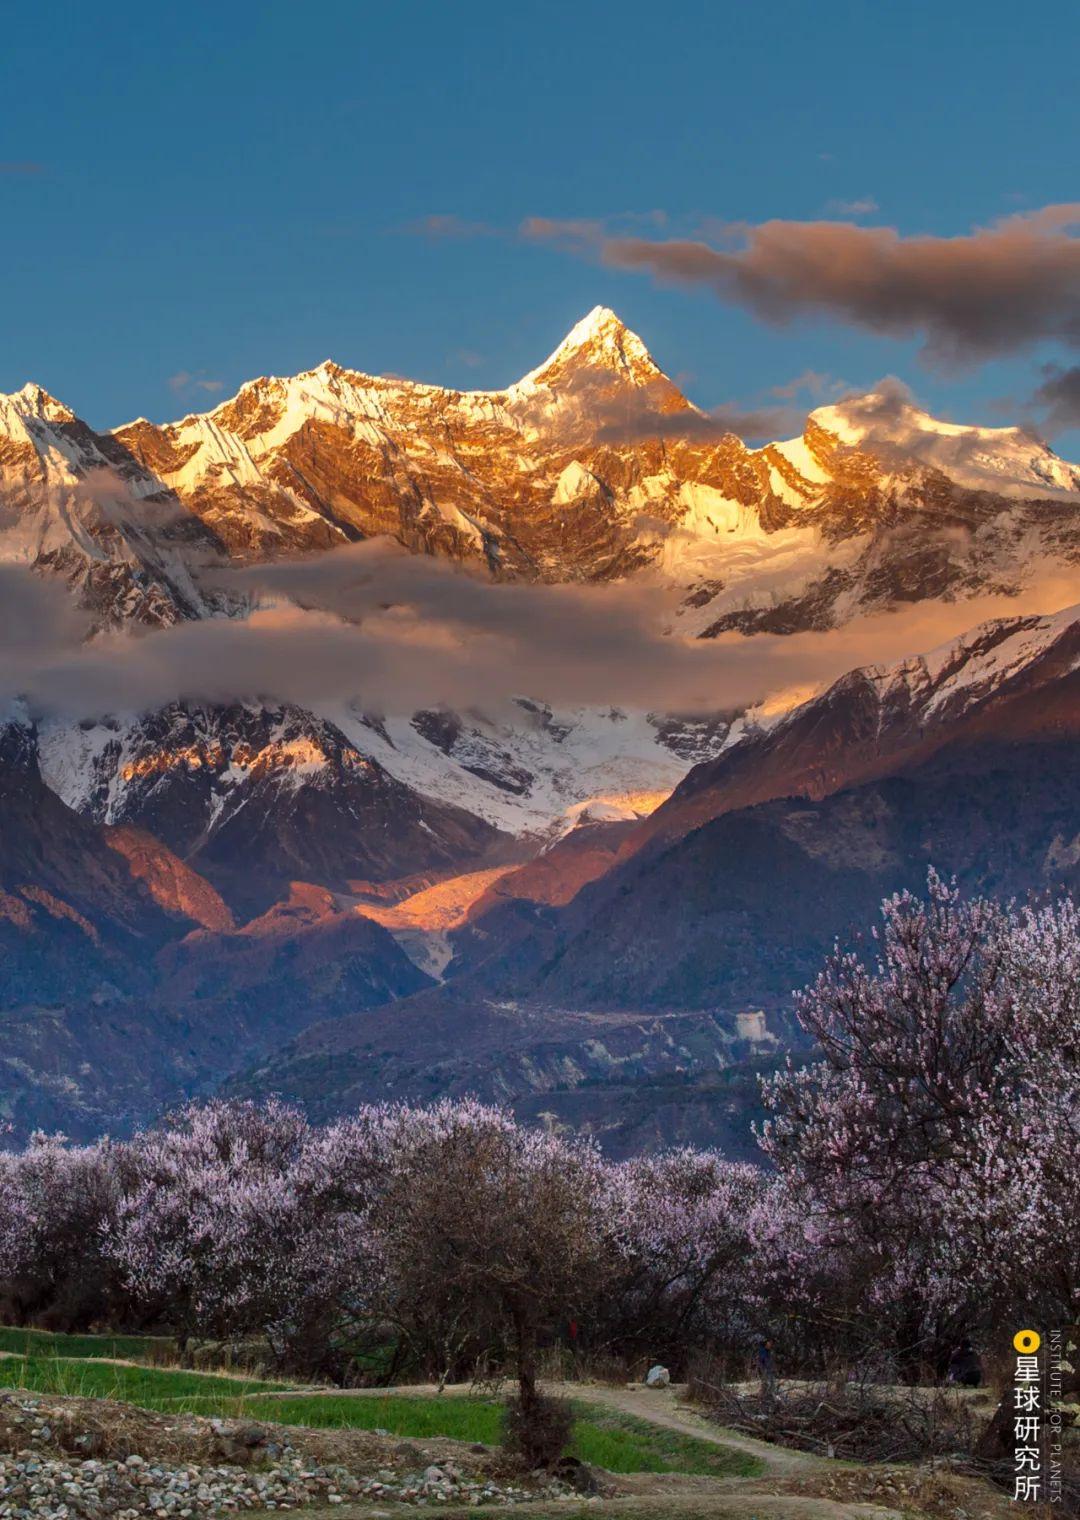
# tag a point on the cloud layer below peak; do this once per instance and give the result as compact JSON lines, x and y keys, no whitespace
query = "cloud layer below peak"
{"x":396,"y":633}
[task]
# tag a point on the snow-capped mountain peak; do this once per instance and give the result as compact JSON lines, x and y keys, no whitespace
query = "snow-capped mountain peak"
{"x":25,"y":410}
{"x":41,"y":402}
{"x":600,"y":341}
{"x":79,"y":505}
{"x":1010,"y":460}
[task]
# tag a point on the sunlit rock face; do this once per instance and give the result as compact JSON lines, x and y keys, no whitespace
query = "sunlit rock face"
{"x":592,"y":467}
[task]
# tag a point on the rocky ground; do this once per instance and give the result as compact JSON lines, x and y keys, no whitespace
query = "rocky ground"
{"x":68,"y":1458}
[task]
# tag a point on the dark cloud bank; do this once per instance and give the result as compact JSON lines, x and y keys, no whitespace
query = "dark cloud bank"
{"x":997,"y":290}
{"x":1060,"y":395}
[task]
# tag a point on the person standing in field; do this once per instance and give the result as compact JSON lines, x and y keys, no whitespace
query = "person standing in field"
{"x":766,"y":1367}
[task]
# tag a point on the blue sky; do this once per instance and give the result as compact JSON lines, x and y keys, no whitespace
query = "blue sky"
{"x":224,"y":191}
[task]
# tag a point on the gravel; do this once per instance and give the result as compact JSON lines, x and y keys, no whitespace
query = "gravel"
{"x":36,"y":1483}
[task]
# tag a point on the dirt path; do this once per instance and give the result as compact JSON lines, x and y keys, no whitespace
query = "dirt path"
{"x":657,"y":1501}
{"x":664,"y":1407}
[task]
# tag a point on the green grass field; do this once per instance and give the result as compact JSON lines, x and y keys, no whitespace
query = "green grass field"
{"x":150,"y":1387}
{"x":622,"y":1444}
{"x":73,"y":1365}
{"x":618,"y":1442}
{"x":46,"y":1343}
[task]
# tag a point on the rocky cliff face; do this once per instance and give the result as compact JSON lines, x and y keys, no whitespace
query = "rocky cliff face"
{"x":744,"y":909}
{"x":1004,"y":680}
{"x":72,"y":920}
{"x":1009,"y":681}
{"x":733,"y":891}
{"x":124,"y":981}
{"x":77,"y":504}
{"x":256,"y":797}
{"x":342,"y":794}
{"x":592,"y":466}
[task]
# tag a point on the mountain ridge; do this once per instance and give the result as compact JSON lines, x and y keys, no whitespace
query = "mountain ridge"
{"x":536,"y":481}
{"x":585,"y":886}
{"x":1001,"y":682}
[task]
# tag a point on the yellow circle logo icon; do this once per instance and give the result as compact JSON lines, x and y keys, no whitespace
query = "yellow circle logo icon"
{"x":1027,"y":1341}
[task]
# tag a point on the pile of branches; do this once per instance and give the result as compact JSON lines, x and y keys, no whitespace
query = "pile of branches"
{"x":874,"y":1423}
{"x":859,"y":1422}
